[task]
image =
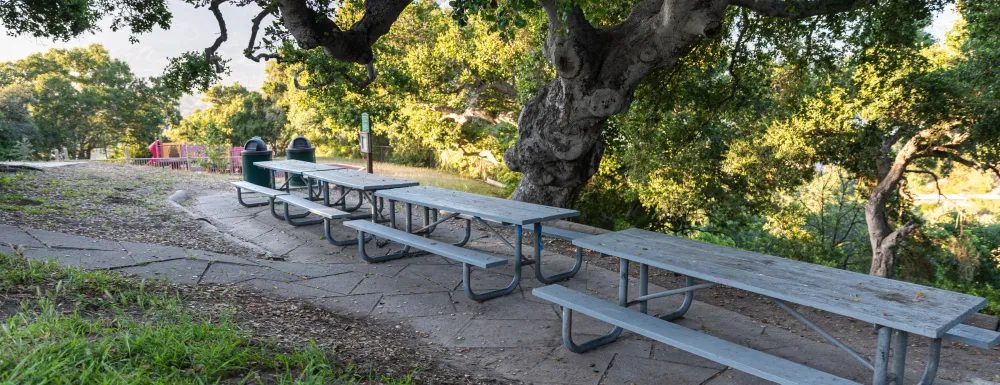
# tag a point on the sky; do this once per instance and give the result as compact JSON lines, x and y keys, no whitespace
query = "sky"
{"x":194,"y":29}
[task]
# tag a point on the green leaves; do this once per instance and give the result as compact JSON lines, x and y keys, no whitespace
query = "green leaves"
{"x":63,"y":20}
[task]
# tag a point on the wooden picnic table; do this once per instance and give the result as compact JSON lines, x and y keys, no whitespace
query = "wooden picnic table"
{"x":348,"y":180}
{"x":893,"y":306}
{"x":481,"y":209}
{"x":293,"y":167}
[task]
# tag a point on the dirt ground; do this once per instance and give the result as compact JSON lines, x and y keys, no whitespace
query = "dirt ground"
{"x":109,"y":201}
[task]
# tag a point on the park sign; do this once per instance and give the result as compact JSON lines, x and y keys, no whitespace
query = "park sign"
{"x":365,"y":123}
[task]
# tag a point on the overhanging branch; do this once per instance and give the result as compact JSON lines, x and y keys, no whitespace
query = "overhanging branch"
{"x":800,"y":9}
{"x":251,"y":46}
{"x":360,"y":84}
{"x":210,"y":52}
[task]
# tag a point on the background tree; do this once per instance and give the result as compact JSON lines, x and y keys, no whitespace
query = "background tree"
{"x":236,"y":114}
{"x":16,"y":126}
{"x":897,"y":111}
{"x":84,"y":99}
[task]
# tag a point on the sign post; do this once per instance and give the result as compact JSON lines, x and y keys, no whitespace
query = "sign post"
{"x":366,"y":139}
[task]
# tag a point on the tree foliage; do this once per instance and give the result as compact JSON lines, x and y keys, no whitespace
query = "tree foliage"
{"x":83,"y":99}
{"x":236,"y":115}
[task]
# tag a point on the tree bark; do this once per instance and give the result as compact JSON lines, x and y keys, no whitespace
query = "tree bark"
{"x":560,"y":141}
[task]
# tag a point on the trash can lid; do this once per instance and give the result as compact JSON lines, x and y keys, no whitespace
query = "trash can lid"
{"x":255,"y":144}
{"x":300,"y":143}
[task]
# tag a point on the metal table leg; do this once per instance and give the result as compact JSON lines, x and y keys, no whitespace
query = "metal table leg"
{"x":881,"y":376}
{"x":518,"y":262}
{"x":567,"y":321}
{"x":538,"y":261}
{"x":899,"y":356}
{"x":239,"y":198}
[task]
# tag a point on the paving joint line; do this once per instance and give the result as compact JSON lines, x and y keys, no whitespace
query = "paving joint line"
{"x":611,"y":364}
{"x":714,"y":376}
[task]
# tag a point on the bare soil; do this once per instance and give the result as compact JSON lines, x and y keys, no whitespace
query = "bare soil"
{"x":115,"y":202}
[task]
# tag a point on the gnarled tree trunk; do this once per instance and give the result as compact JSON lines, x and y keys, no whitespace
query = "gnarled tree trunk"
{"x":560,"y":141}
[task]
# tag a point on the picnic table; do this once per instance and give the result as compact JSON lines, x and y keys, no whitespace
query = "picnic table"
{"x":293,"y":167}
{"x":895,"y":307}
{"x":469,"y":207}
{"x":365,"y":184}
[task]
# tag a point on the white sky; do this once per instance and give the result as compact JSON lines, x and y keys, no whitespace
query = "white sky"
{"x":194,"y":29}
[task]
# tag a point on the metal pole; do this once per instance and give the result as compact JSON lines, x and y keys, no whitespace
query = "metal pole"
{"x":368,"y":154}
{"x":899,"y":356}
{"x":881,"y":376}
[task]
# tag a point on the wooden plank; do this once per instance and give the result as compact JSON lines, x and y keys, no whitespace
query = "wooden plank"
{"x":313,"y":207}
{"x":737,"y":356}
{"x":971,"y":335}
{"x":900,"y":305}
{"x":443,"y":249}
{"x":294,"y":166}
{"x":489,"y":208}
{"x":359,"y":180}
{"x":266,"y":191}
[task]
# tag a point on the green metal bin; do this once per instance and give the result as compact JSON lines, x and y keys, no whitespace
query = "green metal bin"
{"x":256,"y":151}
{"x":300,"y":149}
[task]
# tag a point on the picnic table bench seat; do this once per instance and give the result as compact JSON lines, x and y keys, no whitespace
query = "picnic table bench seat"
{"x":444,"y":249}
{"x":313,"y":207}
{"x":739,"y":357}
{"x":973,"y":336}
{"x":268,"y":192}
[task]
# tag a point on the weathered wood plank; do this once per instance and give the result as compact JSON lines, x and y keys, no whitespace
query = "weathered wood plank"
{"x":489,"y":208}
{"x":444,"y":249}
{"x":739,"y":357}
{"x":313,"y":207}
{"x":294,"y":166}
{"x":266,"y":191}
{"x":900,"y":305}
{"x":971,"y":335}
{"x":359,"y":180}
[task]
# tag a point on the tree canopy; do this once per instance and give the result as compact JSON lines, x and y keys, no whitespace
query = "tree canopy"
{"x":82,"y":99}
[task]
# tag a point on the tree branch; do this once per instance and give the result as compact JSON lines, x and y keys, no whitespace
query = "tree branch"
{"x":798,"y":9}
{"x":210,"y":52}
{"x":937,"y":184}
{"x":251,"y":46}
{"x":360,"y":84}
{"x":312,"y":29}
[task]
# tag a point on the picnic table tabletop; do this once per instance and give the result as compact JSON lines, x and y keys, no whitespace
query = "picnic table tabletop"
{"x":294,"y":166}
{"x":359,"y":180}
{"x":485,"y":207}
{"x":913,"y":308}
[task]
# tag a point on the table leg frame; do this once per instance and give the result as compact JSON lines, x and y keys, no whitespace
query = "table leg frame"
{"x":538,"y":261}
{"x":518,"y":263}
{"x":239,"y":198}
{"x":567,"y":318}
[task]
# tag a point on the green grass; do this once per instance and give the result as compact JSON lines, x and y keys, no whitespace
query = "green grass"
{"x":84,"y":327}
{"x":426,"y":176}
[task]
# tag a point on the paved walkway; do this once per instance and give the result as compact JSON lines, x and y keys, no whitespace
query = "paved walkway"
{"x":517,"y":336}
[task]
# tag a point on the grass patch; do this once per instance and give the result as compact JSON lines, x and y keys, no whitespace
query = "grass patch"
{"x":79,"y":327}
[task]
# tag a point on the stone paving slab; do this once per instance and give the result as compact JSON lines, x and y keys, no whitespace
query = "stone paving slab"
{"x":68,"y":241}
{"x":186,"y":271}
{"x":227,"y":273}
{"x":17,"y":237}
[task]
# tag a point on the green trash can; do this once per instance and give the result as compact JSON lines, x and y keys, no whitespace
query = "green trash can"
{"x":300,"y":149}
{"x":256,"y":151}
